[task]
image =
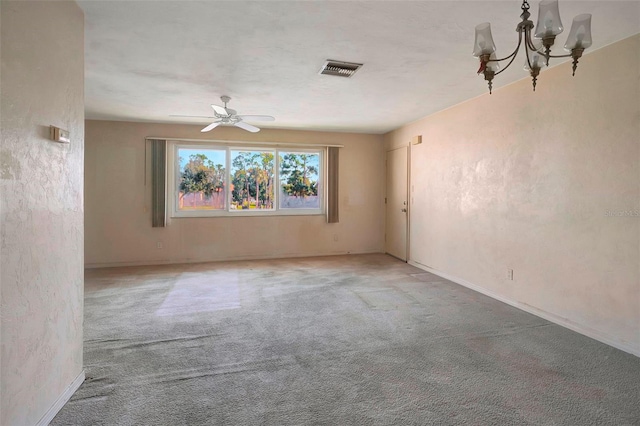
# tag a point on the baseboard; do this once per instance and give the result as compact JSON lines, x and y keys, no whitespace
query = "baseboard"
{"x":62,"y":399}
{"x":226,"y":259}
{"x":564,"y":322}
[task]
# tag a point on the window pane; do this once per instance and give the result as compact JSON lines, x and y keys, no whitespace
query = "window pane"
{"x":299,"y":177}
{"x":201,"y":183}
{"x":252,"y":180}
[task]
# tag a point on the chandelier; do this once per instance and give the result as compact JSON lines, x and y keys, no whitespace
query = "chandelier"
{"x":548,"y":27}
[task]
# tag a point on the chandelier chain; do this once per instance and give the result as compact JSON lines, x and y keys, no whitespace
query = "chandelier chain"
{"x":525,"y":10}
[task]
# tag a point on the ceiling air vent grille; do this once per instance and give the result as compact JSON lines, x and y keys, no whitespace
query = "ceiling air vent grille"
{"x":340,"y":69}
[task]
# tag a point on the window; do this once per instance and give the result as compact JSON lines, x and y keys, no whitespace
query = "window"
{"x":299,"y":173}
{"x":202,"y":179}
{"x":219,"y":180}
{"x":252,"y":180}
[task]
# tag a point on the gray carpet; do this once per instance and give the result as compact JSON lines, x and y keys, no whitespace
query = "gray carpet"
{"x":345,"y":340}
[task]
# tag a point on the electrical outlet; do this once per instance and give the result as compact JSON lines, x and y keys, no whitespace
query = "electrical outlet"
{"x":159,"y":245}
{"x":510,"y":274}
{"x":335,"y":237}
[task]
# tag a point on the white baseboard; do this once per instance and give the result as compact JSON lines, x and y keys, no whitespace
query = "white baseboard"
{"x":62,"y":399}
{"x":226,"y":259}
{"x":564,"y":322}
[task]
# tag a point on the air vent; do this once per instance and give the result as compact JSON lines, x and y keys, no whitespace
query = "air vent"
{"x":340,"y":69}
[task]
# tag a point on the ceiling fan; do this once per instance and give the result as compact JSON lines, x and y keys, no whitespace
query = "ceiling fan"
{"x":224,"y":115}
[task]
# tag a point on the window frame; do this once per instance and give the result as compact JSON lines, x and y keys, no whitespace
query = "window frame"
{"x":173,"y":179}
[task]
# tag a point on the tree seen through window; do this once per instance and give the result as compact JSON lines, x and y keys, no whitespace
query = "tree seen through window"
{"x":299,"y":173}
{"x":202,"y":180}
{"x":252,"y":177}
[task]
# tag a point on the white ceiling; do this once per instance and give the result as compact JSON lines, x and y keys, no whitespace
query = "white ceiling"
{"x":147,"y":60}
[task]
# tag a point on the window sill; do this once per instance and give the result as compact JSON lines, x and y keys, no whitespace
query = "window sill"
{"x":242,"y":213}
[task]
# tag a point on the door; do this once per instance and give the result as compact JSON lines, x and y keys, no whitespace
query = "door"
{"x":396,"y":204}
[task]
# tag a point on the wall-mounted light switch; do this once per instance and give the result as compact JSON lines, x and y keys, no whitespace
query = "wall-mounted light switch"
{"x":59,"y":135}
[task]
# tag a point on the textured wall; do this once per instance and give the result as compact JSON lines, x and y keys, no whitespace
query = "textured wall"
{"x":118,"y":220}
{"x":525,"y":180}
{"x":41,"y":206}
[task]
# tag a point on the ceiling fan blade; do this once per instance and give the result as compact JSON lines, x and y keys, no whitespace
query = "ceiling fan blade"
{"x":219,"y":109}
{"x":257,"y":117}
{"x":247,"y":127}
{"x":211,"y":126}
{"x":190,"y":116}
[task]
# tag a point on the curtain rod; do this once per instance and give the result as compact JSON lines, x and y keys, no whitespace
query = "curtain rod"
{"x":300,"y":144}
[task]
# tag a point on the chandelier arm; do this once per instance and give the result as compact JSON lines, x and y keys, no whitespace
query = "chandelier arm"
{"x":513,"y":55}
{"x":540,"y":51}
{"x":561,"y":56}
{"x":515,"y":52}
{"x":529,"y":42}
{"x":506,"y":57}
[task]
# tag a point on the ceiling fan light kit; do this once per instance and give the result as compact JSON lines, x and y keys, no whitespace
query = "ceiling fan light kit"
{"x":538,"y":47}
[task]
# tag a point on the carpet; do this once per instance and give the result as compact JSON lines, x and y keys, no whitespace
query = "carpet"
{"x":341,"y":340}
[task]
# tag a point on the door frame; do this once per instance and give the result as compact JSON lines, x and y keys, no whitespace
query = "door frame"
{"x":408,"y":197}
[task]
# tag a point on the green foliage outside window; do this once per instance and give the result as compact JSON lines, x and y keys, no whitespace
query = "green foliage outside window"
{"x":298,"y":175}
{"x":201,"y":175}
{"x":252,"y":180}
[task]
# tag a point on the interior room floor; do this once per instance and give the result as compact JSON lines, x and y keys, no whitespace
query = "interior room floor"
{"x":361,"y":339}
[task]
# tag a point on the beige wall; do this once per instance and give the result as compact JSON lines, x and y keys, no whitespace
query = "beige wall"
{"x":118,"y":218}
{"x":524,"y":180}
{"x":41,"y":182}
